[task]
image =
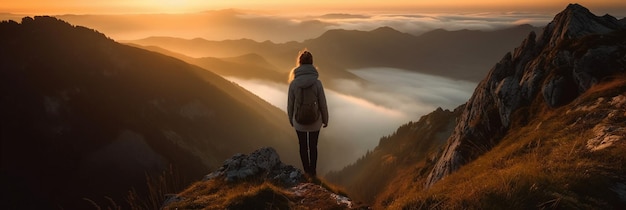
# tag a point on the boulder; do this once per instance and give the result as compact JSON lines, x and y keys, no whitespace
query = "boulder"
{"x":263,"y":163}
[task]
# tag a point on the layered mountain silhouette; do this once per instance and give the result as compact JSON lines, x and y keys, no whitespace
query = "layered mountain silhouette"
{"x":84,"y":117}
{"x":545,"y":129}
{"x":338,"y":50}
{"x":248,"y":66}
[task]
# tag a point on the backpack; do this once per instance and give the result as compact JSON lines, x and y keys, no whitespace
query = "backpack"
{"x":306,"y":106}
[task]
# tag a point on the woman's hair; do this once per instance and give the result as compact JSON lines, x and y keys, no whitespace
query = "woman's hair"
{"x":305,"y":57}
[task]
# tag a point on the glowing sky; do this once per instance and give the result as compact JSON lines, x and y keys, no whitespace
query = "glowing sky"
{"x":182,"y":6}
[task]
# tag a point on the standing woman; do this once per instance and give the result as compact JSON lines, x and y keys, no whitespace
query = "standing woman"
{"x":302,"y":77}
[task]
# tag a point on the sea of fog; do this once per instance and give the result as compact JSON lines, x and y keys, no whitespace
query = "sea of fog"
{"x":362,"y":113}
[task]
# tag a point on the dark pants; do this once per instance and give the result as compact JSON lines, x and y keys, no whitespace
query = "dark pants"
{"x":308,"y":150}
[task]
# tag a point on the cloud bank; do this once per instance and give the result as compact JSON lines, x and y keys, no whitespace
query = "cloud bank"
{"x":417,"y":24}
{"x":263,"y":26}
{"x":360,"y":114}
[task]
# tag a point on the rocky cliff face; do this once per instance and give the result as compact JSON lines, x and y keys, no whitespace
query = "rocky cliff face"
{"x":575,"y":51}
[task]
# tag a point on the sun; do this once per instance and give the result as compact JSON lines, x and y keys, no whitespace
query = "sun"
{"x":174,"y":6}
{"x":172,"y":3}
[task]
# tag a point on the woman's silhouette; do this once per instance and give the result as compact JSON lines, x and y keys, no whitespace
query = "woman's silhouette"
{"x":302,"y":76}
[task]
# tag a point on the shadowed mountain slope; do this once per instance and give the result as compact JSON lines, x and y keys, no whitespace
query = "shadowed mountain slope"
{"x":413,"y":143}
{"x":86,"y":117}
{"x":545,"y":129}
{"x":248,"y":66}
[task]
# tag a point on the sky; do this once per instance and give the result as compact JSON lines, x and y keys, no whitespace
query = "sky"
{"x":184,"y":6}
{"x":283,"y":21}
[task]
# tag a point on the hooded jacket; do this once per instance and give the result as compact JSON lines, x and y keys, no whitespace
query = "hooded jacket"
{"x":304,"y":76}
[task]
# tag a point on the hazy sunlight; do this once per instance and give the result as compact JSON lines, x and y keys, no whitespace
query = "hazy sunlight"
{"x":186,"y":6}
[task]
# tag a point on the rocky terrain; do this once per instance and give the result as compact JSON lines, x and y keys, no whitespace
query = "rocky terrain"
{"x":258,"y":181}
{"x":544,"y":129}
{"x":574,"y":52}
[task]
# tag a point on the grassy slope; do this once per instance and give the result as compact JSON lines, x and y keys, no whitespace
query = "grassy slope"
{"x":542,"y":164}
{"x":254,"y":194}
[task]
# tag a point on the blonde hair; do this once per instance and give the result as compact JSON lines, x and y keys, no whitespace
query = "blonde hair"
{"x":292,"y":75}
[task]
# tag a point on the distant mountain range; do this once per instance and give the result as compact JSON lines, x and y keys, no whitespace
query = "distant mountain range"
{"x":247,"y":66}
{"x":546,"y":128}
{"x":85,"y":117}
{"x":463,"y":55}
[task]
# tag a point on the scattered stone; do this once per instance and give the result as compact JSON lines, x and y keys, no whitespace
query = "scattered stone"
{"x":309,"y":193}
{"x":606,"y":135}
{"x":172,"y":198}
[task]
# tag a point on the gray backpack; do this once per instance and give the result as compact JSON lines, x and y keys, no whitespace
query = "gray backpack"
{"x":306,"y":106}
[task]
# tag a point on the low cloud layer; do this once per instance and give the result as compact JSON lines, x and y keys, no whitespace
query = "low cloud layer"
{"x":417,"y":24}
{"x":261,"y":26}
{"x":360,"y":114}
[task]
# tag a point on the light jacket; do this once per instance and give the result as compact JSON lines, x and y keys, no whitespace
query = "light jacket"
{"x":305,"y":75}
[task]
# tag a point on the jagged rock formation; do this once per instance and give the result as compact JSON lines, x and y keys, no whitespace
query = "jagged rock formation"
{"x":271,"y":182}
{"x":575,"y":51}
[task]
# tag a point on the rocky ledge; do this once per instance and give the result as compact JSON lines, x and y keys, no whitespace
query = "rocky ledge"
{"x":263,"y":163}
{"x":259,"y":169}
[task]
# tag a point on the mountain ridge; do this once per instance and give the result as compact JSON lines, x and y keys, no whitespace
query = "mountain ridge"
{"x":515,"y":82}
{"x":338,"y":50}
{"x":533,"y":134}
{"x":79,"y":108}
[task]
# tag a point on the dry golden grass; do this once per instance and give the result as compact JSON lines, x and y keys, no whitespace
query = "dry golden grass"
{"x":255,"y":194}
{"x":543,"y":164}
{"x":216,"y":194}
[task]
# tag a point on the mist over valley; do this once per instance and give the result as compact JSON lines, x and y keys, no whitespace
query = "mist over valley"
{"x":361,"y":113}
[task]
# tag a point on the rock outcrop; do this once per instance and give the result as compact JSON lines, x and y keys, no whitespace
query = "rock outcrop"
{"x":262,"y":173}
{"x":263,"y":163}
{"x":575,"y":51}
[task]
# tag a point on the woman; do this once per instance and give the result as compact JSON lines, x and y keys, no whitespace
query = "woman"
{"x":303,"y":76}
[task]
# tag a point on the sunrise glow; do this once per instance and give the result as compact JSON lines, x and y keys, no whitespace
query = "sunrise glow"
{"x":187,"y":6}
